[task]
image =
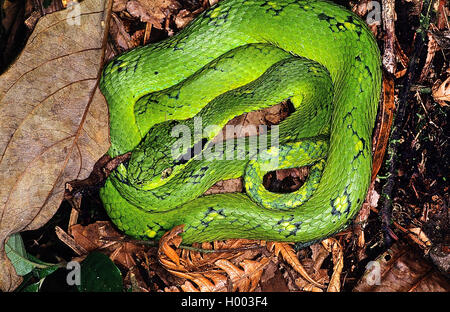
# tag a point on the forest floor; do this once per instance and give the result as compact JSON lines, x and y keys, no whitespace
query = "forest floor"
{"x":403,"y":224}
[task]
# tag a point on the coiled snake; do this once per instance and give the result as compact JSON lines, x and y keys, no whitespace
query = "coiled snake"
{"x":236,"y":57}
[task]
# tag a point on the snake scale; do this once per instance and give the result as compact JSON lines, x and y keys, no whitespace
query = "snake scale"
{"x":240,"y":56}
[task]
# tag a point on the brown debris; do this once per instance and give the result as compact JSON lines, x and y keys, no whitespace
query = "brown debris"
{"x":102,"y":168}
{"x":152,"y":11}
{"x":238,"y":265}
{"x":433,"y":47}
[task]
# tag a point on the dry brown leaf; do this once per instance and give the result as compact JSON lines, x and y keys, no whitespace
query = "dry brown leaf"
{"x":183,"y":18}
{"x":201,"y":260}
{"x":187,"y":287}
{"x":433,"y":47}
{"x":401,"y":269}
{"x":226,"y":186}
{"x":272,"y":279}
{"x":384,"y":123}
{"x":208,"y":282}
{"x":119,"y":5}
{"x":236,"y":249}
{"x":333,"y":246}
{"x":319,"y":254}
{"x":441,"y":92}
{"x":176,"y":289}
{"x":53,"y":120}
{"x":102,"y":235}
{"x":247,"y":279}
{"x":206,"y":266}
{"x":220,"y":281}
{"x":167,"y":256}
{"x":119,"y":33}
{"x":202,"y":256}
{"x":288,"y":254}
{"x":152,"y":11}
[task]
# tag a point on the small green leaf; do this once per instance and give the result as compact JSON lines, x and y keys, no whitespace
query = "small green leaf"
{"x":43,"y":269}
{"x":33,"y":287}
{"x":100,"y":274}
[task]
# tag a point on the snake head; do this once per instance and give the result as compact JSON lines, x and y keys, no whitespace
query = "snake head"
{"x":151,"y":164}
{"x":149,"y":174}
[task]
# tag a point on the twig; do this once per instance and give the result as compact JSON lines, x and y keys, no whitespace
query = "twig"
{"x":102,"y":168}
{"x":233,"y":250}
{"x":388,"y":15}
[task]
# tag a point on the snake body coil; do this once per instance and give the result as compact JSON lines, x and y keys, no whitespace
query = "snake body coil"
{"x":236,"y":57}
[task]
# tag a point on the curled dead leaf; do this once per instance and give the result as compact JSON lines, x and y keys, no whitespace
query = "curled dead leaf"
{"x":420,"y":235}
{"x":384,"y":123}
{"x":288,"y":254}
{"x":166,"y":254}
{"x":333,"y":246}
{"x":204,"y":282}
{"x":202,"y":256}
{"x":441,"y":92}
{"x":183,"y":18}
{"x":247,"y":279}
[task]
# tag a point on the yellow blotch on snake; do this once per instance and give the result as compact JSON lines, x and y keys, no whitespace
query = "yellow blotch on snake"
{"x":215,"y":13}
{"x":341,"y":203}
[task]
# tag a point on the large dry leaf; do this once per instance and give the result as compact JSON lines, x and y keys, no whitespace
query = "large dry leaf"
{"x":53,"y":120}
{"x":402,"y":269}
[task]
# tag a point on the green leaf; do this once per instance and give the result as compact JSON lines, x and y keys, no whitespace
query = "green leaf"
{"x":15,"y":250}
{"x":100,"y":274}
{"x":43,"y":269}
{"x":24,"y":263}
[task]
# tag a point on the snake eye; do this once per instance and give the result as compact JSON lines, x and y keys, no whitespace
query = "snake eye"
{"x":166,"y":173}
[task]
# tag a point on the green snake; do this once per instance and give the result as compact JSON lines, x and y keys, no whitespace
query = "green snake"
{"x":169,"y":100}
